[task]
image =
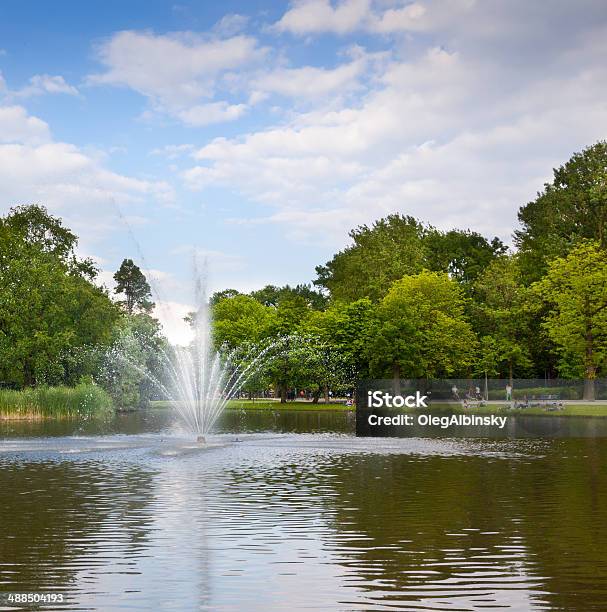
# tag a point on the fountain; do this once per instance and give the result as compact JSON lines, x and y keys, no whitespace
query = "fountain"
{"x":200,"y":380}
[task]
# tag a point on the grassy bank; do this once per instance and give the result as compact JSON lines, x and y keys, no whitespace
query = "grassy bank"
{"x":55,"y":402}
{"x":586,"y":410}
{"x":262,"y":404}
{"x":577,"y":409}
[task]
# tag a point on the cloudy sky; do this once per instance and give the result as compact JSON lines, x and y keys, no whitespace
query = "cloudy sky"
{"x":258,"y":133}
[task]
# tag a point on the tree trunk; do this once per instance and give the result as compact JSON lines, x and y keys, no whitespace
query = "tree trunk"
{"x":283,"y":394}
{"x":486,"y":388}
{"x":28,"y":375}
{"x":590,"y":369}
{"x":396,"y":378}
{"x":326,"y":392}
{"x":589,"y":393}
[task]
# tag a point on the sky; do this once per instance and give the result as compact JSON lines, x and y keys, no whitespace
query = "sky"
{"x":254,"y":135}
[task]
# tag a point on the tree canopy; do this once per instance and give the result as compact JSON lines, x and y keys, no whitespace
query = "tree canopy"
{"x":397,"y":246}
{"x":576,"y":289}
{"x":421,"y":329}
{"x":570,"y":209}
{"x":131,"y":282}
{"x":48,"y":304}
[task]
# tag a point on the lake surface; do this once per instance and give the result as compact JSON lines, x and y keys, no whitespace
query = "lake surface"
{"x":289,"y":511}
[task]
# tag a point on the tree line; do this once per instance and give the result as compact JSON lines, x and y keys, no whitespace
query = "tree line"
{"x":58,"y":326}
{"x":405,"y":299}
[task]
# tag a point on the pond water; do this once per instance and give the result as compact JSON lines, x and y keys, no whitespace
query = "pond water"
{"x":291,"y":511}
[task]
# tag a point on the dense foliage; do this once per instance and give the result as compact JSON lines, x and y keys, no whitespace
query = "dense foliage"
{"x":404,"y":299}
{"x":49,"y":305}
{"x":58,"y":326}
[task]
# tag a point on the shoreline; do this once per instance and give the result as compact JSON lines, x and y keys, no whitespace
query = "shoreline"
{"x":273,"y":405}
{"x":598,"y":409}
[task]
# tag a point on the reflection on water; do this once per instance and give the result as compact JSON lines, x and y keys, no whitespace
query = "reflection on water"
{"x":269,"y":519}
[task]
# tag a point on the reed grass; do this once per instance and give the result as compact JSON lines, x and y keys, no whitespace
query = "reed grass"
{"x":84,"y":400}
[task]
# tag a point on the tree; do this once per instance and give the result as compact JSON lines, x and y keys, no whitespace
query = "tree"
{"x":49,"y":308}
{"x":131,"y":281}
{"x":421,"y":330}
{"x":570,"y":209}
{"x":133,"y":365}
{"x":575,"y":287}
{"x":270,"y":295}
{"x":502,"y":317}
{"x":36,"y":227}
{"x":398,"y":246}
{"x":291,"y":312}
{"x":380,"y":254}
{"x":241,"y":321}
{"x":347,"y":328}
{"x":464,"y":255}
{"x":222,"y":295}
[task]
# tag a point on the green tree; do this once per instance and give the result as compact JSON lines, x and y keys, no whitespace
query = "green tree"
{"x":35,"y":226}
{"x":49,"y":307}
{"x":270,"y":295}
{"x":421,"y":330}
{"x":502,"y":317}
{"x":463,"y":254}
{"x":131,"y":282}
{"x":286,"y":366}
{"x":398,"y":246}
{"x":222,"y":295}
{"x":573,"y":207}
{"x":380,"y":254}
{"x":575,"y":287}
{"x":133,"y":365}
{"x":241,"y":321}
{"x":347,"y":328}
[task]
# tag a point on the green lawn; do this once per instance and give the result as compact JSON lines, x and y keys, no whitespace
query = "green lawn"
{"x":263,"y":404}
{"x":589,"y":410}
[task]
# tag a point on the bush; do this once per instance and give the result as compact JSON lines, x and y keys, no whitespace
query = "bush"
{"x":85,"y":399}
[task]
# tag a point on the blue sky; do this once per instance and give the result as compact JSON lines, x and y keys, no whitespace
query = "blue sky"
{"x":258,"y":133}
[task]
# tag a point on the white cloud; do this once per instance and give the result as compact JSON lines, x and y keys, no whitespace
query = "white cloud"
{"x":72,"y":183}
{"x":454,"y":137}
{"x":306,"y":17}
{"x":217,"y":260}
{"x":409,"y":17}
{"x":231,"y":24}
{"x":16,"y":126}
{"x":173,"y":151}
{"x":213,"y":112}
{"x":311,"y":82}
{"x":41,"y":84}
{"x":171,"y":316}
{"x":314,"y":16}
{"x":179,"y":73}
